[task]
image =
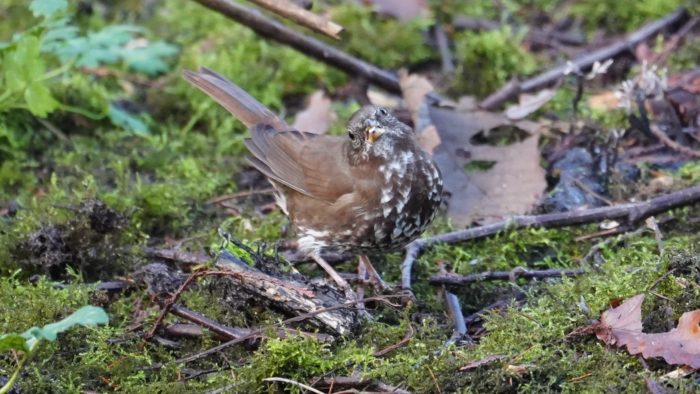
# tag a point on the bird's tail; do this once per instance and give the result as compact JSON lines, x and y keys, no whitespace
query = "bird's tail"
{"x":236,"y":100}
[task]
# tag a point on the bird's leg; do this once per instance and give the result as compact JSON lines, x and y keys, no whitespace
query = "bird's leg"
{"x":373,"y":274}
{"x":342,"y":283}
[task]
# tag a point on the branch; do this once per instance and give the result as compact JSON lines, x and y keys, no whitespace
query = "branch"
{"x":586,"y":61}
{"x":302,"y":16}
{"x":274,"y":30}
{"x":459,"y":280}
{"x":632,"y":213}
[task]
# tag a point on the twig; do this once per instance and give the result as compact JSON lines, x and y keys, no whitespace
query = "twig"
{"x":235,"y":332}
{"x":173,"y":299}
{"x":443,"y":45}
{"x":356,"y":382}
{"x":453,"y":308}
{"x":600,"y":245}
{"x":403,"y":341}
{"x":663,"y":137}
{"x":586,"y":61}
{"x":632,"y":213}
{"x":232,"y":196}
{"x":293,"y":382}
{"x":453,"y":279}
{"x":224,"y":389}
{"x":676,"y":40}
{"x":259,"y":333}
{"x":274,"y":30}
{"x":302,"y":16}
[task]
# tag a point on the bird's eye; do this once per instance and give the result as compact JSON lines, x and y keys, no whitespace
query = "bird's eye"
{"x":352,"y":136}
{"x":383,"y":112}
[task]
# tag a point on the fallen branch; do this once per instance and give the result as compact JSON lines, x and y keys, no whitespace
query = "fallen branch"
{"x":236,"y":332}
{"x":586,"y":61}
{"x":302,"y":16}
{"x":631,"y":213}
{"x":459,"y":280}
{"x":351,"y":382}
{"x":277,"y":31}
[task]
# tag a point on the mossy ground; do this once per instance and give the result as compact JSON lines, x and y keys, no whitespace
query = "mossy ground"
{"x":157,"y":185}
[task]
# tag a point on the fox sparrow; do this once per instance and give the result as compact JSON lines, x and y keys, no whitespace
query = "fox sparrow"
{"x":370,"y":191}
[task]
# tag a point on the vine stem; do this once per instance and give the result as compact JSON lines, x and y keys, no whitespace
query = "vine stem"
{"x":15,"y":375}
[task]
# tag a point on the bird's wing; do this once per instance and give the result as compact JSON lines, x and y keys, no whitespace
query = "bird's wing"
{"x":314,"y":165}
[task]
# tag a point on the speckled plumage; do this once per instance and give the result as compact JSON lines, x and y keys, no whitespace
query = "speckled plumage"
{"x":351,"y":193}
{"x":371,"y":191}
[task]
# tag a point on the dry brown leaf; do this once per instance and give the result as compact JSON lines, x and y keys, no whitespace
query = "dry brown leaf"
{"x":622,"y":326}
{"x":515,"y":182}
{"x":529,"y":103}
{"x":317,"y":116}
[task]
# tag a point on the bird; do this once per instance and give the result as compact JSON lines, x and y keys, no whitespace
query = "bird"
{"x":371,"y":191}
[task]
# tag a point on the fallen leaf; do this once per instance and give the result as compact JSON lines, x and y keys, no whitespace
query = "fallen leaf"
{"x":529,"y":103}
{"x":317,"y":116}
{"x":512,"y":184}
{"x":622,"y":326}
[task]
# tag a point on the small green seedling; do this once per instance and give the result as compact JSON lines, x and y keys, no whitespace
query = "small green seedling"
{"x":27,"y":341}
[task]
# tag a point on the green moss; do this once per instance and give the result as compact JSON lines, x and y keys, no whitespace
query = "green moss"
{"x":622,"y":17}
{"x":488,"y":60}
{"x":383,"y":41}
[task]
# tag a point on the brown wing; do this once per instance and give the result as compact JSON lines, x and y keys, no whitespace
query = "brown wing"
{"x":311,"y":164}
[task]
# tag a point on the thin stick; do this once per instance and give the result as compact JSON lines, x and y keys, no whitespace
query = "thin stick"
{"x":663,"y":137}
{"x":586,"y":61}
{"x":403,"y":341}
{"x":293,"y":382}
{"x":302,"y":16}
{"x":272,"y":29}
{"x":632,"y":213}
{"x":459,"y":280}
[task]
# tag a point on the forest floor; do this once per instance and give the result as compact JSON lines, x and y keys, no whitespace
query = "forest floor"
{"x":120,"y":182}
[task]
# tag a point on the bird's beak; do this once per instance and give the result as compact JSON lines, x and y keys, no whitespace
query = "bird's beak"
{"x":373,"y":133}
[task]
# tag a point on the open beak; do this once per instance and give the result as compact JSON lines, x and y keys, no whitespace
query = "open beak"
{"x":373,"y":133}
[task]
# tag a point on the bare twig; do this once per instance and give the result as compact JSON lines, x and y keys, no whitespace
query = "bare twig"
{"x":443,"y":45}
{"x":632,"y":213}
{"x":359,"y":383}
{"x":403,"y":341}
{"x":335,"y":57}
{"x":293,"y":382}
{"x":232,"y":196}
{"x":676,"y":40}
{"x":453,"y":279}
{"x":605,"y":243}
{"x":586,"y":61}
{"x":302,"y":16}
{"x":236,"y":332}
{"x":666,"y":140}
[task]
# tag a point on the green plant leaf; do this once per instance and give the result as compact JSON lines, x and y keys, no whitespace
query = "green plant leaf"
{"x":86,"y":316}
{"x":148,"y":58}
{"x":23,"y":64}
{"x":12,"y":342}
{"x":126,"y":120}
{"x":47,"y":7}
{"x":39,"y":99}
